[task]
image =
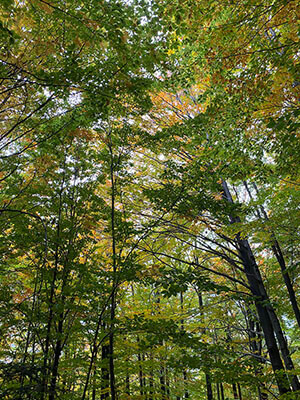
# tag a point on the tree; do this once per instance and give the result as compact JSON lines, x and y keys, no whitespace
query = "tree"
{"x":149,"y":202}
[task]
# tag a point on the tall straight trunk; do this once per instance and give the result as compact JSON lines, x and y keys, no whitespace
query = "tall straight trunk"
{"x":141,"y":374}
{"x":186,"y":393}
{"x":151,"y":380}
{"x":234,"y":390}
{"x":58,"y":346}
{"x":104,"y":371}
{"x":222,"y":391}
{"x":57,"y":353}
{"x":94,"y":352}
{"x":51,"y":299}
{"x":30,"y":335}
{"x":281,"y":261}
{"x":127,"y":380}
{"x":144,"y":377}
{"x":261,"y":301}
{"x":94,"y":385}
{"x":151,"y":384}
{"x":45,"y":370}
{"x":111,"y":352}
{"x":218,"y":391}
{"x":114,"y":278}
{"x":209,"y":390}
{"x":239,"y":391}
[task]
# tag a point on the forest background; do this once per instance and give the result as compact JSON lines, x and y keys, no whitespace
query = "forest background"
{"x":149,"y":199}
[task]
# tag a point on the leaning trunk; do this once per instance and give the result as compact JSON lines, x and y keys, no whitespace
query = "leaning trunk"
{"x":261,"y":301}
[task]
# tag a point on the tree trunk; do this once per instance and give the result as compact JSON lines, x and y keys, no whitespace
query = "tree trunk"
{"x":234,"y":390}
{"x":239,"y":391}
{"x":57,"y":353}
{"x":186,"y":393}
{"x":114,"y":278}
{"x":151,"y":380}
{"x":261,"y":301}
{"x":104,"y":372}
{"x":222,"y":391}
{"x":218,"y":391}
{"x":94,"y":385}
{"x":141,"y":375}
{"x":209,"y":390}
{"x":281,"y":261}
{"x":127,"y":390}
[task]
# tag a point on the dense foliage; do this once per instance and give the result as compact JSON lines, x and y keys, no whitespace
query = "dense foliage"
{"x":149,"y":215}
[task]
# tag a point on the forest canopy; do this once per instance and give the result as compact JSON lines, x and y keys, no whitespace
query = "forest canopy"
{"x":149,"y":174}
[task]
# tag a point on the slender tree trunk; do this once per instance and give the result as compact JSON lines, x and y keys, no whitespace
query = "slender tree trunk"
{"x":141,"y":375}
{"x":239,"y":391}
{"x":283,"y":347}
{"x":209,"y":390}
{"x":287,"y":280}
{"x":94,"y":385}
{"x":29,"y":336}
{"x":275,"y":321}
{"x":58,"y":346}
{"x":94,"y":352}
{"x":186,"y":393}
{"x":57,"y":353}
{"x":114,"y":280}
{"x":218,"y":391}
{"x":111,"y":353}
{"x":52,"y":293}
{"x":104,"y":371}
{"x":234,"y":390}
{"x":45,"y":369}
{"x":222,"y":391}
{"x":261,"y":301}
{"x":127,"y":390}
{"x":151,"y":380}
{"x":281,"y":261}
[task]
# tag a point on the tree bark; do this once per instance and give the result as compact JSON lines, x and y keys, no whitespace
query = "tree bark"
{"x":141,"y":374}
{"x":114,"y":280}
{"x":186,"y":393}
{"x":261,"y":301}
{"x":209,"y":390}
{"x":127,"y":390}
{"x":281,"y":261}
{"x":218,"y":391}
{"x":104,"y":371}
{"x":239,"y":391}
{"x":234,"y":390}
{"x":222,"y":391}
